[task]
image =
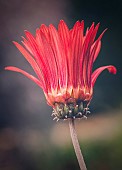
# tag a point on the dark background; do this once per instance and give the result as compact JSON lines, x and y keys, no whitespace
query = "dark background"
{"x":24,"y":114}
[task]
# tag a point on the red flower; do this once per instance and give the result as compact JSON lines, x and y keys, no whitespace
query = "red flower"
{"x":62,"y":60}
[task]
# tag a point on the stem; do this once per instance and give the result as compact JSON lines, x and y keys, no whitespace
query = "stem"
{"x":76,"y":145}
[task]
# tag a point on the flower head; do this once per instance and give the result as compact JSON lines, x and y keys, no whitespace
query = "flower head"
{"x":62,"y":60}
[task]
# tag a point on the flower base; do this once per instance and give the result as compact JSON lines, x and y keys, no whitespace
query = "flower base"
{"x":72,"y":110}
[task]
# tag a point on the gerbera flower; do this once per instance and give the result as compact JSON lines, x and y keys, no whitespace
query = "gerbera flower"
{"x":63,"y":60}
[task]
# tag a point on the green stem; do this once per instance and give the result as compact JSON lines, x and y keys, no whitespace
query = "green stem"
{"x":76,"y":145}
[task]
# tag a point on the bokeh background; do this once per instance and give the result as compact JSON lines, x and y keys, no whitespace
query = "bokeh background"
{"x":29,"y":138}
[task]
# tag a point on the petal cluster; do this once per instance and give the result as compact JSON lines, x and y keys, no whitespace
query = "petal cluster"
{"x":62,"y":60}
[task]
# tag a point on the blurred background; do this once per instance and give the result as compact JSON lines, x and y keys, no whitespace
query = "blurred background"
{"x":29,"y":138}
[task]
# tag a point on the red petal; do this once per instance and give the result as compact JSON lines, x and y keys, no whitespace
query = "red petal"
{"x":97,"y":50}
{"x":76,"y":50}
{"x":33,"y":45}
{"x":76,"y":26}
{"x":65,"y":38}
{"x":40,"y":50}
{"x":86,"y":55}
{"x":37,"y":51}
{"x":50,"y":62}
{"x":90,"y":62}
{"x":90,"y":52}
{"x":64,"y":35}
{"x":97,"y":72}
{"x":94,"y":51}
{"x":59,"y":55}
{"x":30,"y":60}
{"x":27,"y":45}
{"x":99,"y":39}
{"x":45,"y":31}
{"x":38,"y":82}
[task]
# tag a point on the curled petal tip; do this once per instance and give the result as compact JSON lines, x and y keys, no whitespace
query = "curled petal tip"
{"x":112,"y":69}
{"x":97,"y":72}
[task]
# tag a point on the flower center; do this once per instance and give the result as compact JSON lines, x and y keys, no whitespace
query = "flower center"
{"x":71,"y":109}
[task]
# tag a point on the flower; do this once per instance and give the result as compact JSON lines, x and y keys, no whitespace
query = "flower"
{"x":62,"y":60}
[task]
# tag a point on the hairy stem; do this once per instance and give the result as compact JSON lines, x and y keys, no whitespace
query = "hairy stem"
{"x":76,"y":145}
